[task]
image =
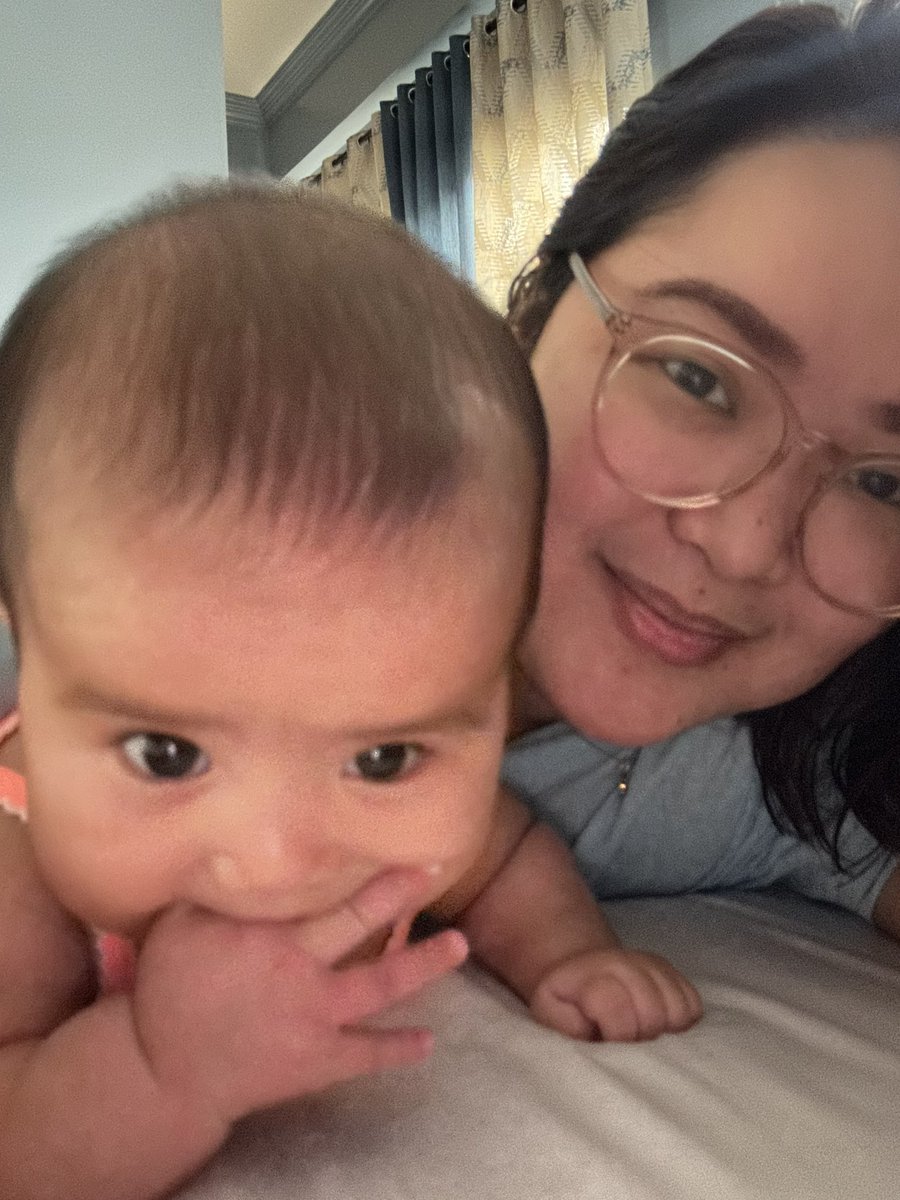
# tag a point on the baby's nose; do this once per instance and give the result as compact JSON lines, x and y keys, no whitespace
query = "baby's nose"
{"x":274,"y":858}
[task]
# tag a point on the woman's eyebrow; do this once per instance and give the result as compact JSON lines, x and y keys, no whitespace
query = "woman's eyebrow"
{"x":767,"y":339}
{"x":885,"y":415}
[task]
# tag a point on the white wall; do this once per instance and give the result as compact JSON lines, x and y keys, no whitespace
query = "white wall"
{"x":101,"y":101}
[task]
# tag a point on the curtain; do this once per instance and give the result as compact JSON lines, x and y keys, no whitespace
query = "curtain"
{"x":476,"y":153}
{"x":357,"y":173}
{"x":549,"y":79}
{"x":427,"y":147}
{"x":413,"y":161}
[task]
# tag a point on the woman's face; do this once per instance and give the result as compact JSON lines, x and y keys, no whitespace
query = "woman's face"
{"x":652,"y":620}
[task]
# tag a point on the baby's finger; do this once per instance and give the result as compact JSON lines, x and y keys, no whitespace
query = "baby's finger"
{"x":368,"y":1051}
{"x":648,"y":1001}
{"x":331,"y":936}
{"x":617,"y":1017}
{"x":564,"y":1013}
{"x":364,"y":990}
{"x":685,"y":1006}
{"x":681,"y":1005}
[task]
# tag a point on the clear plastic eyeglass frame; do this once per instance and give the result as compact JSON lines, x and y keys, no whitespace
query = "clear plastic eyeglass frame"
{"x":629,"y":330}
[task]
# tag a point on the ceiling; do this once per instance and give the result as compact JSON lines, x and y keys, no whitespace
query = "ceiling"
{"x":260,"y":34}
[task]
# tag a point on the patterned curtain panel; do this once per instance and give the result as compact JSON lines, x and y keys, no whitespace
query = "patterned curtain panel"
{"x":549,"y":80}
{"x":427,"y":147}
{"x":357,"y":174}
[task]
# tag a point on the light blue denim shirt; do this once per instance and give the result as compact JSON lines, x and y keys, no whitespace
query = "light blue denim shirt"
{"x":691,"y":819}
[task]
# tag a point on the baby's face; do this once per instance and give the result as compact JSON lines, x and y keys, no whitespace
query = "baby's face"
{"x":258,"y":733}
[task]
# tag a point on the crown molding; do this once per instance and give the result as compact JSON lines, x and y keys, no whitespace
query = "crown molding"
{"x":336,"y":29}
{"x":352,"y":49}
{"x":243,"y":111}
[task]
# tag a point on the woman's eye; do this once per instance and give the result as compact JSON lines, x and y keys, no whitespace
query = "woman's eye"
{"x":383,"y":764}
{"x":697,"y":381}
{"x":877,"y":485}
{"x":161,"y":756}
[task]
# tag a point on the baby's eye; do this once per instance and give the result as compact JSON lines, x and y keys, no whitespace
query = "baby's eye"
{"x":383,"y":764}
{"x":161,"y":756}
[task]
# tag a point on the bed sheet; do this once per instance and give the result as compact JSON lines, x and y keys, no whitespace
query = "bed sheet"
{"x":788,"y":1089}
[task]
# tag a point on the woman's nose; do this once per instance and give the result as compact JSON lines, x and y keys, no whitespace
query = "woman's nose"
{"x":752,"y":535}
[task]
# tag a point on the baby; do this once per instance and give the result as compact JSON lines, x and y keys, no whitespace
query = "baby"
{"x":271,"y":495}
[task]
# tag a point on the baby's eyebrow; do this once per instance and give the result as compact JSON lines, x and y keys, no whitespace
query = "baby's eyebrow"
{"x":462,"y":719}
{"x":148,"y":716}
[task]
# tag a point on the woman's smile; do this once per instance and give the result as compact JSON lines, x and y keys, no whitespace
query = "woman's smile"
{"x":656,"y":620}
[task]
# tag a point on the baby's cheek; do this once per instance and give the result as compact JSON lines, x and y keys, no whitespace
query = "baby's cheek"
{"x":450,"y":867}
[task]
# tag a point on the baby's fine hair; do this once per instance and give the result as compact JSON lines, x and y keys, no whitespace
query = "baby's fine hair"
{"x":310,"y":354}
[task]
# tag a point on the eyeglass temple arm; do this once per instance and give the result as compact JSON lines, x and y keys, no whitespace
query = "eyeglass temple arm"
{"x":593,"y":293}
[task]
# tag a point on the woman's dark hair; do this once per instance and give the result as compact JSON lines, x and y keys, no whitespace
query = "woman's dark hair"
{"x":792,"y":70}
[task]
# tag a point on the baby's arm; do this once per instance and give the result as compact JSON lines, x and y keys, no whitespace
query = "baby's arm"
{"x":120,"y":1098}
{"x":530,"y":918}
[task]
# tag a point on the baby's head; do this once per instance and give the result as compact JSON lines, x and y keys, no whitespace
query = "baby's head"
{"x":270,"y":494}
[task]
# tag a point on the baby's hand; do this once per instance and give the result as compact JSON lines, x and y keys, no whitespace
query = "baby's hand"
{"x":236,"y":1015}
{"x":615,"y":995}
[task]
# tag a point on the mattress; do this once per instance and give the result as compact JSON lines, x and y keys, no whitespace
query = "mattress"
{"x":788,"y":1088}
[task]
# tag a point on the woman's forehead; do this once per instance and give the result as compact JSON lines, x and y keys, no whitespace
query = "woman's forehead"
{"x":775,"y":204}
{"x":805,"y":230}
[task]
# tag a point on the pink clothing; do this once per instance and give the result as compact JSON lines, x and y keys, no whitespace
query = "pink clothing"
{"x":115,"y":956}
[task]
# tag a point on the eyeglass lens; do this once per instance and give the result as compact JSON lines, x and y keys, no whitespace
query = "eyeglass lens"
{"x":682,"y":421}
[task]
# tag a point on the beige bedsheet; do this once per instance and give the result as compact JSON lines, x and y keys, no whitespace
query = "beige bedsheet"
{"x":789,"y":1087}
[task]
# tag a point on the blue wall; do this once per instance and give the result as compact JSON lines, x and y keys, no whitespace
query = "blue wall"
{"x":100,"y":102}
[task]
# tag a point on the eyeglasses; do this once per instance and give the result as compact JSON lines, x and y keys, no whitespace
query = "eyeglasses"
{"x":686,"y":423}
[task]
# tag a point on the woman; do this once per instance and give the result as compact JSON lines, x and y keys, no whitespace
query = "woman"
{"x":714,"y":324}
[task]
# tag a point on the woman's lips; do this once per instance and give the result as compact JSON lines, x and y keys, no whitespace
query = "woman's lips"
{"x":656,"y":620}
